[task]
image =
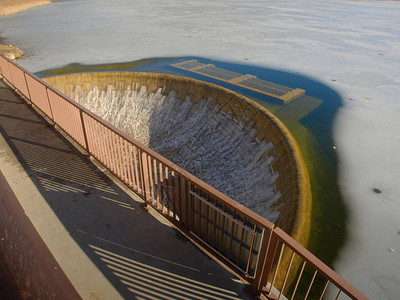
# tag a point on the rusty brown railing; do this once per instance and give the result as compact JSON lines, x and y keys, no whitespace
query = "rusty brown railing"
{"x":236,"y":236}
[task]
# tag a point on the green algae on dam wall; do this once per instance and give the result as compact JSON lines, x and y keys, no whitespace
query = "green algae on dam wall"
{"x":294,"y":203}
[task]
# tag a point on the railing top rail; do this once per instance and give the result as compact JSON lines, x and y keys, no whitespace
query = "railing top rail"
{"x":322,"y":268}
{"x":198,"y":182}
{"x":249,"y":214}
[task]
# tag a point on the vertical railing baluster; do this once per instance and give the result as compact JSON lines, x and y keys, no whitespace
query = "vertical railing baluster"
{"x":150,"y":176}
{"x":161,"y":185}
{"x":232,"y":233}
{"x":269,"y":260}
{"x":214,"y":232}
{"x":192,"y":218}
{"x":124,"y":174}
{"x":199,"y":215}
{"x":298,"y":280}
{"x":99,"y":139}
{"x":311,"y":284}
{"x":89,"y":134}
{"x":110,"y":139}
{"x":323,"y":292}
{"x":137,"y":171}
{"x":96,"y":146}
{"x":173,"y":195}
{"x":120,"y":163}
{"x":108,"y":148}
{"x":145,"y":175}
{"x":241,"y":243}
{"x":167,"y":194}
{"x":286,"y":275}
{"x":207,"y":207}
{"x":113,"y":141}
{"x":277,"y":269}
{"x":114,"y":138}
{"x":156,"y":184}
{"x":222,"y":237}
{"x":50,"y":106}
{"x":179,"y":196}
{"x":167,"y":202}
{"x":86,"y":146}
{"x":27,"y":87}
{"x":186,"y":203}
{"x":251,"y":248}
{"x":129,"y":163}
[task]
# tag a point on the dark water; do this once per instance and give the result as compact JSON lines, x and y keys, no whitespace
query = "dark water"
{"x":310,"y":119}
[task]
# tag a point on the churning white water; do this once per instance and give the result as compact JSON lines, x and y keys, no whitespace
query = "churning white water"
{"x":196,"y":137}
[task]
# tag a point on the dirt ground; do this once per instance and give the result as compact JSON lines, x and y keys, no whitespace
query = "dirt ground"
{"x":9,"y":7}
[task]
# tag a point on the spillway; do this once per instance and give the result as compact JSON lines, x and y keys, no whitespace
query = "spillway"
{"x":225,"y":139}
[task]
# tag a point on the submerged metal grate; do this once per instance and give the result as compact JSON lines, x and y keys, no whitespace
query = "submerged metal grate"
{"x":248,"y":81}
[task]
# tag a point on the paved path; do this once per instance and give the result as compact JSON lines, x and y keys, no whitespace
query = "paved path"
{"x":106,"y":243}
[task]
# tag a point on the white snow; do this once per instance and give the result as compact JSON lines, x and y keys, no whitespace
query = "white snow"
{"x":355,"y":43}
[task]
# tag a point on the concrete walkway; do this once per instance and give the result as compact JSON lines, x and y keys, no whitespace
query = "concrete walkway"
{"x":107,"y":244}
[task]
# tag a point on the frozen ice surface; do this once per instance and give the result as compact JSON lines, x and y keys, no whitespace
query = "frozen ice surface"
{"x":352,"y":46}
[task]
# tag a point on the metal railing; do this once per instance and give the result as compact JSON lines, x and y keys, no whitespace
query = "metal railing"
{"x":239,"y":238}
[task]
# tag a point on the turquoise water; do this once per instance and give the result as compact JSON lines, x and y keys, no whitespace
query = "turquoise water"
{"x":310,"y":119}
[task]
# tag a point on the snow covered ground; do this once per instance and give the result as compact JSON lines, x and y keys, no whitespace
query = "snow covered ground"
{"x":354,"y":47}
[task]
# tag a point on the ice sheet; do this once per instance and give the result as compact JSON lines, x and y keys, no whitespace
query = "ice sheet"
{"x":352,"y":46}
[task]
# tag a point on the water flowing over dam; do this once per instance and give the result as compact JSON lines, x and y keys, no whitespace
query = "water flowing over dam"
{"x":203,"y":141}
{"x":217,"y":135}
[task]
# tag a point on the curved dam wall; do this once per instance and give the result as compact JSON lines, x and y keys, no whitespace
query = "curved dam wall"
{"x":223,"y":138}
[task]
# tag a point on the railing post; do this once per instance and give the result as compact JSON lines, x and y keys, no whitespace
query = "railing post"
{"x":181,"y":194}
{"x":84,"y":131}
{"x":262,"y":261}
{"x":269,"y":261}
{"x":187,"y":201}
{"x":11,"y":75}
{"x":144,"y":174}
{"x":48,"y":101}
{"x":27,"y":87}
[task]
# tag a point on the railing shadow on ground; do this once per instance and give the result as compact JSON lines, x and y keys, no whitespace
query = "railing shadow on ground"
{"x":132,"y":249}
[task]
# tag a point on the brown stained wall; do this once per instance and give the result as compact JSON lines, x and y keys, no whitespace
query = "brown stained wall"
{"x":293,"y":181}
{"x":28,"y":267}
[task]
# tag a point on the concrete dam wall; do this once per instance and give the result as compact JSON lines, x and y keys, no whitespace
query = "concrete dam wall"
{"x":223,"y":138}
